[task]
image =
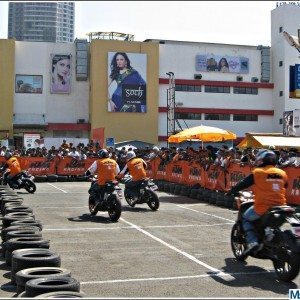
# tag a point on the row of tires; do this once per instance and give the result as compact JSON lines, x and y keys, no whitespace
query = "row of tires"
{"x":35,"y":270}
{"x":205,"y":195}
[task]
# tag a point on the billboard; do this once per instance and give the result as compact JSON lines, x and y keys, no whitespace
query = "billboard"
{"x":127,"y":78}
{"x":29,"y":84}
{"x":222,"y":63}
{"x":60,"y":74}
{"x":33,"y":140}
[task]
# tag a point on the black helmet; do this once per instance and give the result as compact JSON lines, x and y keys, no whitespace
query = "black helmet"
{"x":7,"y":155}
{"x":103,"y":153}
{"x":265,"y":157}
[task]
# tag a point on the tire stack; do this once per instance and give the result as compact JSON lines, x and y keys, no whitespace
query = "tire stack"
{"x":35,"y":269}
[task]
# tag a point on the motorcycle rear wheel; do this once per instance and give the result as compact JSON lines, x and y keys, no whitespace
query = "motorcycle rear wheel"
{"x":92,"y":207}
{"x":115,"y":208}
{"x":287,"y":266}
{"x":29,"y":185}
{"x":153,"y":201}
{"x":238,"y":243}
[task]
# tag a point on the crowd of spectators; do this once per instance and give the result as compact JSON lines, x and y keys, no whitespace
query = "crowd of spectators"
{"x":207,"y":156}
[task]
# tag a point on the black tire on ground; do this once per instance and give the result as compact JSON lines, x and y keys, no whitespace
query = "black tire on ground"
{"x":166,"y":187}
{"x":9,"y":218}
{"x":32,"y":273}
{"x":40,"y":178}
{"x":31,"y":258}
{"x":61,"y":178}
{"x":172,"y":187}
{"x":10,"y":204}
{"x":206,"y":195}
{"x":92,"y":207}
{"x":29,"y":185}
{"x":23,"y":233}
{"x":212,"y":198}
{"x":220,"y":200}
{"x":10,"y":200}
{"x":34,"y":222}
{"x":62,"y":294}
{"x":18,"y":208}
{"x":35,"y":287}
{"x":22,"y":243}
{"x":52,"y":178}
{"x":153,"y":202}
{"x":4,"y":231}
{"x":115,"y":210}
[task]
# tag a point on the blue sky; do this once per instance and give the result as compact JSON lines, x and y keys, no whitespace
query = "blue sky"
{"x":229,"y":22}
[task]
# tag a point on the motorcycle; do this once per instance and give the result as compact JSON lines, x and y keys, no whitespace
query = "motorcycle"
{"x":280,"y":246}
{"x":144,"y":192}
{"x":22,"y":180}
{"x":111,"y":201}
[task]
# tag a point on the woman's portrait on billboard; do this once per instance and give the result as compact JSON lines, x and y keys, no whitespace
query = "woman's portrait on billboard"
{"x":223,"y":65}
{"x":122,"y":73}
{"x":61,"y":74}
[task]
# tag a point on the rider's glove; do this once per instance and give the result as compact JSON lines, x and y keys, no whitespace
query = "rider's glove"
{"x":87,"y":173}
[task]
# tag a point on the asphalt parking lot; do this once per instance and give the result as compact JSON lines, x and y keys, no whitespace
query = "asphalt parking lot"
{"x":180,"y":251}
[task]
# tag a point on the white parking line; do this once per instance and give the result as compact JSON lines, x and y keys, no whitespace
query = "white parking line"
{"x":200,"y":212}
{"x":189,"y":256}
{"x":130,"y":227}
{"x":57,"y":188}
{"x":221,"y":274}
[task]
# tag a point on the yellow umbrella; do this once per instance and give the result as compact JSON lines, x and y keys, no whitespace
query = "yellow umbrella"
{"x":202,"y":133}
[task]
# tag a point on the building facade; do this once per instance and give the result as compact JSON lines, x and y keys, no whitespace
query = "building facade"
{"x":41,"y":21}
{"x":240,"y":88}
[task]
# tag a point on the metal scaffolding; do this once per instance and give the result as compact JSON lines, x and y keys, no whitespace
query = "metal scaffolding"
{"x":171,"y":105}
{"x":100,"y":35}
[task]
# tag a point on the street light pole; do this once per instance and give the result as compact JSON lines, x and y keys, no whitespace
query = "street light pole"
{"x":293,"y":40}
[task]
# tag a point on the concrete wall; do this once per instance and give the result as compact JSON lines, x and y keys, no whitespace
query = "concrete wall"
{"x":33,"y":58}
{"x":7,"y":71}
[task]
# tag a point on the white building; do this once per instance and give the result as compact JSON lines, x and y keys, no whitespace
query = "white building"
{"x":251,"y":97}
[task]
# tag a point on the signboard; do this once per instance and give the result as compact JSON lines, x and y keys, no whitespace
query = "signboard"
{"x":110,"y":142}
{"x":60,"y":74}
{"x":33,"y":140}
{"x":222,"y":63}
{"x":29,"y":84}
{"x":127,"y":79}
{"x":297,"y":80}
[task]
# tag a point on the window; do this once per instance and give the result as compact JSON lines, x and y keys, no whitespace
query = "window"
{"x":280,"y":121}
{"x":217,"y":89}
{"x":280,"y":63}
{"x":280,"y":29}
{"x":248,"y":91}
{"x":188,"y":116}
{"x":281,"y":93}
{"x":187,"y":88}
{"x":217,"y":117}
{"x":253,"y":118}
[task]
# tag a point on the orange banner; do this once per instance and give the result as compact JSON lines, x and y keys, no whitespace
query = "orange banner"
{"x":73,"y":166}
{"x":38,"y":165}
{"x":195,"y":174}
{"x":214,"y":179}
{"x":235,"y":173}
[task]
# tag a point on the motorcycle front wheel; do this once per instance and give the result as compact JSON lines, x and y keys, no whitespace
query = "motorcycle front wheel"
{"x":92,"y":207}
{"x":29,"y":185}
{"x":287,"y":264}
{"x":238,"y":243}
{"x":153,"y":201}
{"x":114,"y":208}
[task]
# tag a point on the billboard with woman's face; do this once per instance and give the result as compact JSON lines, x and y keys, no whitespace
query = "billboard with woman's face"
{"x":223,"y":64}
{"x":127,"y":77}
{"x":60,"y":74}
